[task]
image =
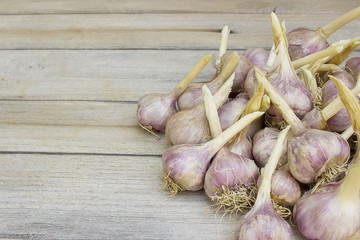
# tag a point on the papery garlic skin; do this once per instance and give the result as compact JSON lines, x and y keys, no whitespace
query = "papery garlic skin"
{"x":230,"y":110}
{"x":303,"y":42}
{"x":242,"y":146}
{"x":231,"y":170}
{"x":341,"y":120}
{"x":257,"y":56}
{"x":314,"y":119}
{"x":241,"y":71}
{"x":285,"y":190}
{"x":353,"y":64}
{"x":187,"y":164}
{"x":263,"y":143}
{"x":155,"y":110}
{"x":251,"y":82}
{"x":193,"y":95}
{"x":264,"y":224}
{"x":321,"y":215}
{"x":309,"y":154}
{"x":294,"y":93}
{"x":188,"y":127}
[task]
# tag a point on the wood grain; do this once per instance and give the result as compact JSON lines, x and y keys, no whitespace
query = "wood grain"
{"x":99,"y":197}
{"x":160,"y":6}
{"x":150,"y":31}
{"x":96,"y":75}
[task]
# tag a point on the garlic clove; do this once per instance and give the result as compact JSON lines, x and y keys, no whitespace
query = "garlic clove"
{"x":353,"y":66}
{"x":257,"y":56}
{"x":230,"y":110}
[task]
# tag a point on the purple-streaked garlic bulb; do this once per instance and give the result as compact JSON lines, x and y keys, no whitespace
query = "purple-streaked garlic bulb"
{"x":191,"y":126}
{"x":337,"y":208}
{"x":230,"y":110}
{"x":340,"y":121}
{"x":289,"y":86}
{"x":193,"y":94}
{"x":303,"y":41}
{"x":311,"y":153}
{"x":230,"y":170}
{"x":263,"y":143}
{"x":227,"y":168}
{"x":353,"y":65}
{"x":185,"y":165}
{"x":262,"y":222}
{"x":155,"y":109}
{"x":337,"y":205}
{"x":250,"y":82}
{"x":285,"y":190}
{"x":257,"y":56}
{"x":241,"y":71}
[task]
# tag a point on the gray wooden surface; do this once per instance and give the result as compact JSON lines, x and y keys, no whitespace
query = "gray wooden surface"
{"x":74,"y":162}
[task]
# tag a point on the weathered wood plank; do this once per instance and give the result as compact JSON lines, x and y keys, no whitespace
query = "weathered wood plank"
{"x":94,"y":75}
{"x":144,"y":31}
{"x":99,"y":197}
{"x":128,"y":6}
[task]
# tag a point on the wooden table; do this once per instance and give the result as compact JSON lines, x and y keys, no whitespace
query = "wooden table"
{"x":74,"y":162}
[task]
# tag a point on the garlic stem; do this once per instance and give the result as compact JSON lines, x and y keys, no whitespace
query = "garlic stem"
{"x":211,"y":112}
{"x":336,"y":105}
{"x":225,"y":136}
{"x":281,"y":105}
{"x":350,"y":188}
{"x":311,"y":84}
{"x":329,"y":67}
{"x":348,"y":49}
{"x":222,"y":94}
{"x":334,"y":25}
{"x":347,"y":133}
{"x":332,"y":50}
{"x":276,"y":29}
{"x":271,"y":57}
{"x":352,"y":106}
{"x":183,"y":84}
{"x":269,"y":169}
{"x":224,"y":37}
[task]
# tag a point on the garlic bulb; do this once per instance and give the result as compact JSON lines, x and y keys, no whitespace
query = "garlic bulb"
{"x":263,"y":143}
{"x":241,"y":71}
{"x":230,"y":110}
{"x":190,"y":126}
{"x":257,"y":56}
{"x":340,"y":121}
{"x":311,"y":152}
{"x":303,"y":41}
{"x":155,"y":109}
{"x":262,"y":222}
{"x":353,"y":65}
{"x":185,"y":165}
{"x":193,"y":94}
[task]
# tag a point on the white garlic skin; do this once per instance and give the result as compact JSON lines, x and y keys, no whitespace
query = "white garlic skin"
{"x":320,"y":215}
{"x":257,"y":56}
{"x":242,"y":146}
{"x":264,"y":224}
{"x":155,"y":110}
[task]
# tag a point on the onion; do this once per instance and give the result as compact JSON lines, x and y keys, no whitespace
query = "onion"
{"x":262,"y":222}
{"x":155,"y":109}
{"x":193,"y":95}
{"x":303,"y":41}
